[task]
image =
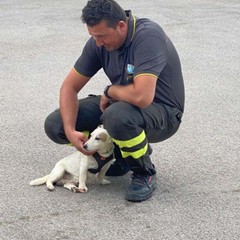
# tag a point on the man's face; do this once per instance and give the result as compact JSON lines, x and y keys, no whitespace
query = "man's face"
{"x":108,"y":37}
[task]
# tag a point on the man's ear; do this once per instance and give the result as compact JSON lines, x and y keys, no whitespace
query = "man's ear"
{"x":122,"y":26}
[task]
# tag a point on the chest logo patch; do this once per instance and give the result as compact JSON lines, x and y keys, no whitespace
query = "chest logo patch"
{"x":130,"y":71}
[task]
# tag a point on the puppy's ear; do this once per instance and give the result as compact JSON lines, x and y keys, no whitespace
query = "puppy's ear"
{"x":103,"y":136}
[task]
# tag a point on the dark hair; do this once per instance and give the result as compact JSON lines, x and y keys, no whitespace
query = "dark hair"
{"x":97,"y":10}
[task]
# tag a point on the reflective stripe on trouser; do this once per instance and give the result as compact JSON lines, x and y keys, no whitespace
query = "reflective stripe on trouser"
{"x":135,"y":152}
{"x":135,"y":147}
{"x":127,"y":125}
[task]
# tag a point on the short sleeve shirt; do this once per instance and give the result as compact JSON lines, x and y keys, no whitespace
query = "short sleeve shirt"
{"x":146,"y":51}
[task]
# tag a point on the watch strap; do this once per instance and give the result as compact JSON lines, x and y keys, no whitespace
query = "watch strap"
{"x":106,"y":91}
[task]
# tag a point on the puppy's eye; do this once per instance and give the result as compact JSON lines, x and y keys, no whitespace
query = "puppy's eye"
{"x":97,"y":138}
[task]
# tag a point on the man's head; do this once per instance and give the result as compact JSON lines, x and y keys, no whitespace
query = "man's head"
{"x":106,"y":22}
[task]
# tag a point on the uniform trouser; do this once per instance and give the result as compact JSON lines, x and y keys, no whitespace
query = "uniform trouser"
{"x":130,"y":127}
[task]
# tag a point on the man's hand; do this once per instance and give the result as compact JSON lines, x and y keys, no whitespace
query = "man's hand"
{"x":104,"y":103}
{"x":78,"y":139}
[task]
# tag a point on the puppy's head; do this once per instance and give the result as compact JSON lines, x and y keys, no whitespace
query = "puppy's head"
{"x":99,"y":141}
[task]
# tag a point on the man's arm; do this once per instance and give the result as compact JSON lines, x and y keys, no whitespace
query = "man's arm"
{"x":72,"y":84}
{"x":140,"y":93}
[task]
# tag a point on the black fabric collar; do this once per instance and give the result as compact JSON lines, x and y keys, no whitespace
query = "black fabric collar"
{"x":131,"y":29}
{"x":101,"y":161}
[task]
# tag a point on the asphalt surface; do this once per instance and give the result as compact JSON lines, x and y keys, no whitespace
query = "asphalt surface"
{"x":198,"y":194}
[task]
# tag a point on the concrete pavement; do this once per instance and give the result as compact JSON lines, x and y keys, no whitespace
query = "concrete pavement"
{"x":198,"y":195}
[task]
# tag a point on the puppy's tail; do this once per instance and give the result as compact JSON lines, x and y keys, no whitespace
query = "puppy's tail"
{"x":39,"y":181}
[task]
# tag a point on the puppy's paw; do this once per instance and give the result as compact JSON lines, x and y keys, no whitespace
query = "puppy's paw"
{"x":50,"y":187}
{"x":83,"y":190}
{"x":80,"y":189}
{"x":74,"y":189}
{"x":104,"y":182}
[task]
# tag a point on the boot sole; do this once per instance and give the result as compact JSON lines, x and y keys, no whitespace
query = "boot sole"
{"x":140,"y":198}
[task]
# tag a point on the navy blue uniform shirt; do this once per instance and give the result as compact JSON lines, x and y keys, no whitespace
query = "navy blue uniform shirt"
{"x":147,"y":51}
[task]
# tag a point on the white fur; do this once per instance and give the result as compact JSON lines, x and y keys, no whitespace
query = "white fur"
{"x":73,"y":169}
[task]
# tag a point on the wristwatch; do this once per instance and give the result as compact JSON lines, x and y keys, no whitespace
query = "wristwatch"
{"x":105,"y":92}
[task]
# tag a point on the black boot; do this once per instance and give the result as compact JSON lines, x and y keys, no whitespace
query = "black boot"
{"x":143,"y":179}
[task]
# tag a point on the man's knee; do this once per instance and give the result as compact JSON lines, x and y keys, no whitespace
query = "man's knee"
{"x":113,"y":112}
{"x":54,"y":128}
{"x":118,"y":116}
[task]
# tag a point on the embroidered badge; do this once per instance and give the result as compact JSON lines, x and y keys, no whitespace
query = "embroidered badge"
{"x":130,"y":71}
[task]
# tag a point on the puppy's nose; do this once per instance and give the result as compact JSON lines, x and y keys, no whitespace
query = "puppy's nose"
{"x":85,"y":146}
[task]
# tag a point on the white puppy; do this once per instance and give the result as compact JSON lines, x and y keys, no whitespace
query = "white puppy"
{"x":74,"y":169}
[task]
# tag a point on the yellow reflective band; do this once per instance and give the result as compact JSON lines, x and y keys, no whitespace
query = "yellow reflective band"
{"x":132,"y":142}
{"x":134,"y":27}
{"x":145,"y":74}
{"x":86,"y":133}
{"x":136,"y":154}
{"x":79,"y":73}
